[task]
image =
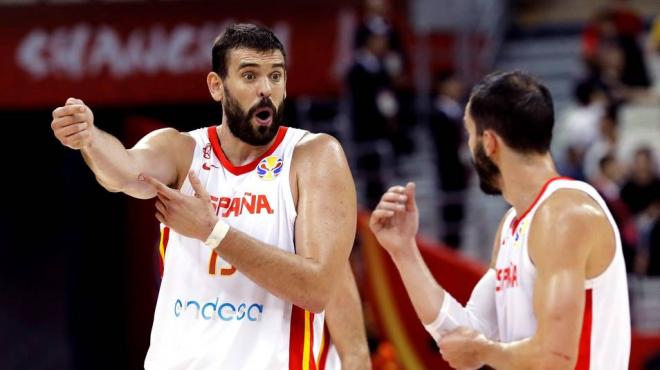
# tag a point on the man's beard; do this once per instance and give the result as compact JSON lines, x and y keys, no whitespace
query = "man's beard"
{"x":487,"y":171}
{"x":240,"y":123}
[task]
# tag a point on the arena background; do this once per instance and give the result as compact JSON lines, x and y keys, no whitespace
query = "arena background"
{"x":79,"y":267}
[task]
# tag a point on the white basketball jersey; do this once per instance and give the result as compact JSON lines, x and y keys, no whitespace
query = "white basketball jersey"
{"x":605,"y":337}
{"x":208,"y":314}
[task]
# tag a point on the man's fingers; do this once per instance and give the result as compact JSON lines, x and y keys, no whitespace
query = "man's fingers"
{"x":381,"y":215}
{"x":160,"y":218}
{"x":65,"y":132}
{"x":200,"y":192}
{"x":68,"y":110}
{"x":76,"y":139}
{"x":161,"y":188}
{"x":71,"y":101}
{"x":394,"y":197}
{"x":68,"y":121}
{"x":161,"y":207}
{"x":397,"y":189}
{"x":411,"y":205}
{"x":391,"y":206}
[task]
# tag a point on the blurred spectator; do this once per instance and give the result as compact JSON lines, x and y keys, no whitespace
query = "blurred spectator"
{"x":374,"y":110}
{"x":648,"y":256}
{"x":580,"y":128}
{"x":654,"y":48}
{"x":654,"y":246}
{"x":620,"y":25}
{"x":643,"y":186}
{"x":377,"y":20}
{"x":654,"y":36}
{"x":447,"y":131}
{"x":607,"y":181}
{"x":605,"y":144}
{"x":582,"y":123}
{"x":642,"y":195}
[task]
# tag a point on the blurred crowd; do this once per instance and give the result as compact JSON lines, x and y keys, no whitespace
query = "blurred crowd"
{"x":617,"y":82}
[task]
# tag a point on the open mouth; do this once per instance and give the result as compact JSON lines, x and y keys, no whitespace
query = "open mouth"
{"x":263,"y":116}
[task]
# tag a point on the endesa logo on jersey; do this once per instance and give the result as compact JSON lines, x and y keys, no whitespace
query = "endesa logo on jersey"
{"x":216,"y":310}
{"x":270,"y":167}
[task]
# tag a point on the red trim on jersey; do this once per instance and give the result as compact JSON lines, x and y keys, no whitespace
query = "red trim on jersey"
{"x":165,"y":238}
{"x":301,"y":329}
{"x":296,"y":338}
{"x":240,"y":170}
{"x":325,"y":349}
{"x":584,"y":354}
{"x":516,"y":221}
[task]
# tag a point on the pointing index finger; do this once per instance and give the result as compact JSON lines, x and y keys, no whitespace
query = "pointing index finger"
{"x":200,"y":191}
{"x":159,"y":186}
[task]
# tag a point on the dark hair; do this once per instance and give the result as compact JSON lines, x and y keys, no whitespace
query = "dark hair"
{"x":444,"y":75}
{"x":606,"y":160}
{"x":584,"y":91}
{"x":517,"y":107}
{"x":612,"y":113}
{"x":242,"y":35}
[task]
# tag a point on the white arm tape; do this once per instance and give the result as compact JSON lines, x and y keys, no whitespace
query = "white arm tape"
{"x":219,"y":232}
{"x":479,"y":313}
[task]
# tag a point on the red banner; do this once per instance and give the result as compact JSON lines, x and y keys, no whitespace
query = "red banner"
{"x":158,"y":52}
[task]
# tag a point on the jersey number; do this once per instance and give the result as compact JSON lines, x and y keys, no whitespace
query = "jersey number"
{"x":224,"y":270}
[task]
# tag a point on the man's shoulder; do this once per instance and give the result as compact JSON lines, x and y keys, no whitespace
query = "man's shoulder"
{"x":571,"y":210}
{"x":318,"y":152}
{"x":313,"y":144}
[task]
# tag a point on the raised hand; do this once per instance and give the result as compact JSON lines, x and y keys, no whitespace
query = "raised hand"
{"x":73,"y":124}
{"x":396,"y":219}
{"x":191,"y":216}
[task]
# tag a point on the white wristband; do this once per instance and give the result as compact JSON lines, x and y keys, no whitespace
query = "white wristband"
{"x":219,"y":232}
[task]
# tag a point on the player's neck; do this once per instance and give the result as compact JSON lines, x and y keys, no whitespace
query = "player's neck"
{"x":237,"y":151}
{"x":524,"y":178}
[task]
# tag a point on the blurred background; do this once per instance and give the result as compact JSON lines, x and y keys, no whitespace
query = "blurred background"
{"x":79,"y":267}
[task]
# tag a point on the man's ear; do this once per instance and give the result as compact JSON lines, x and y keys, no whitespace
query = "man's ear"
{"x":215,"y":85}
{"x":491,"y":143}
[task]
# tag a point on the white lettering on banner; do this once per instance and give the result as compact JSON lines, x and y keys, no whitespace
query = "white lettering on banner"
{"x":30,"y":53}
{"x":83,"y":51}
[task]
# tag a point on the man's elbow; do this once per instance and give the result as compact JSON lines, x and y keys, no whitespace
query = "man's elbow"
{"x":321,"y":294}
{"x":319,"y":301}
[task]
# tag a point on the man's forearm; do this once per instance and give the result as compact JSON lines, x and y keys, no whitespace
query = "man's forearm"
{"x":526,"y":354}
{"x":297,"y":279}
{"x":345,"y":322}
{"x":113,"y":166}
{"x":424,"y":292}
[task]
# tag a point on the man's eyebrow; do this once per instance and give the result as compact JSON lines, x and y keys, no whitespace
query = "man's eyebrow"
{"x":247,"y":64}
{"x":257,"y":65}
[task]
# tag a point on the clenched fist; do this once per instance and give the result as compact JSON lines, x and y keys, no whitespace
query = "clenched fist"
{"x":73,"y":124}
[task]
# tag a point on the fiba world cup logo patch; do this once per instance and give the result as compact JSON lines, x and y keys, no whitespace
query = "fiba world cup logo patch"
{"x":270,"y":167}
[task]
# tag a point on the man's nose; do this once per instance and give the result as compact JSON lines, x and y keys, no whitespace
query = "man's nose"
{"x":265,"y":88}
